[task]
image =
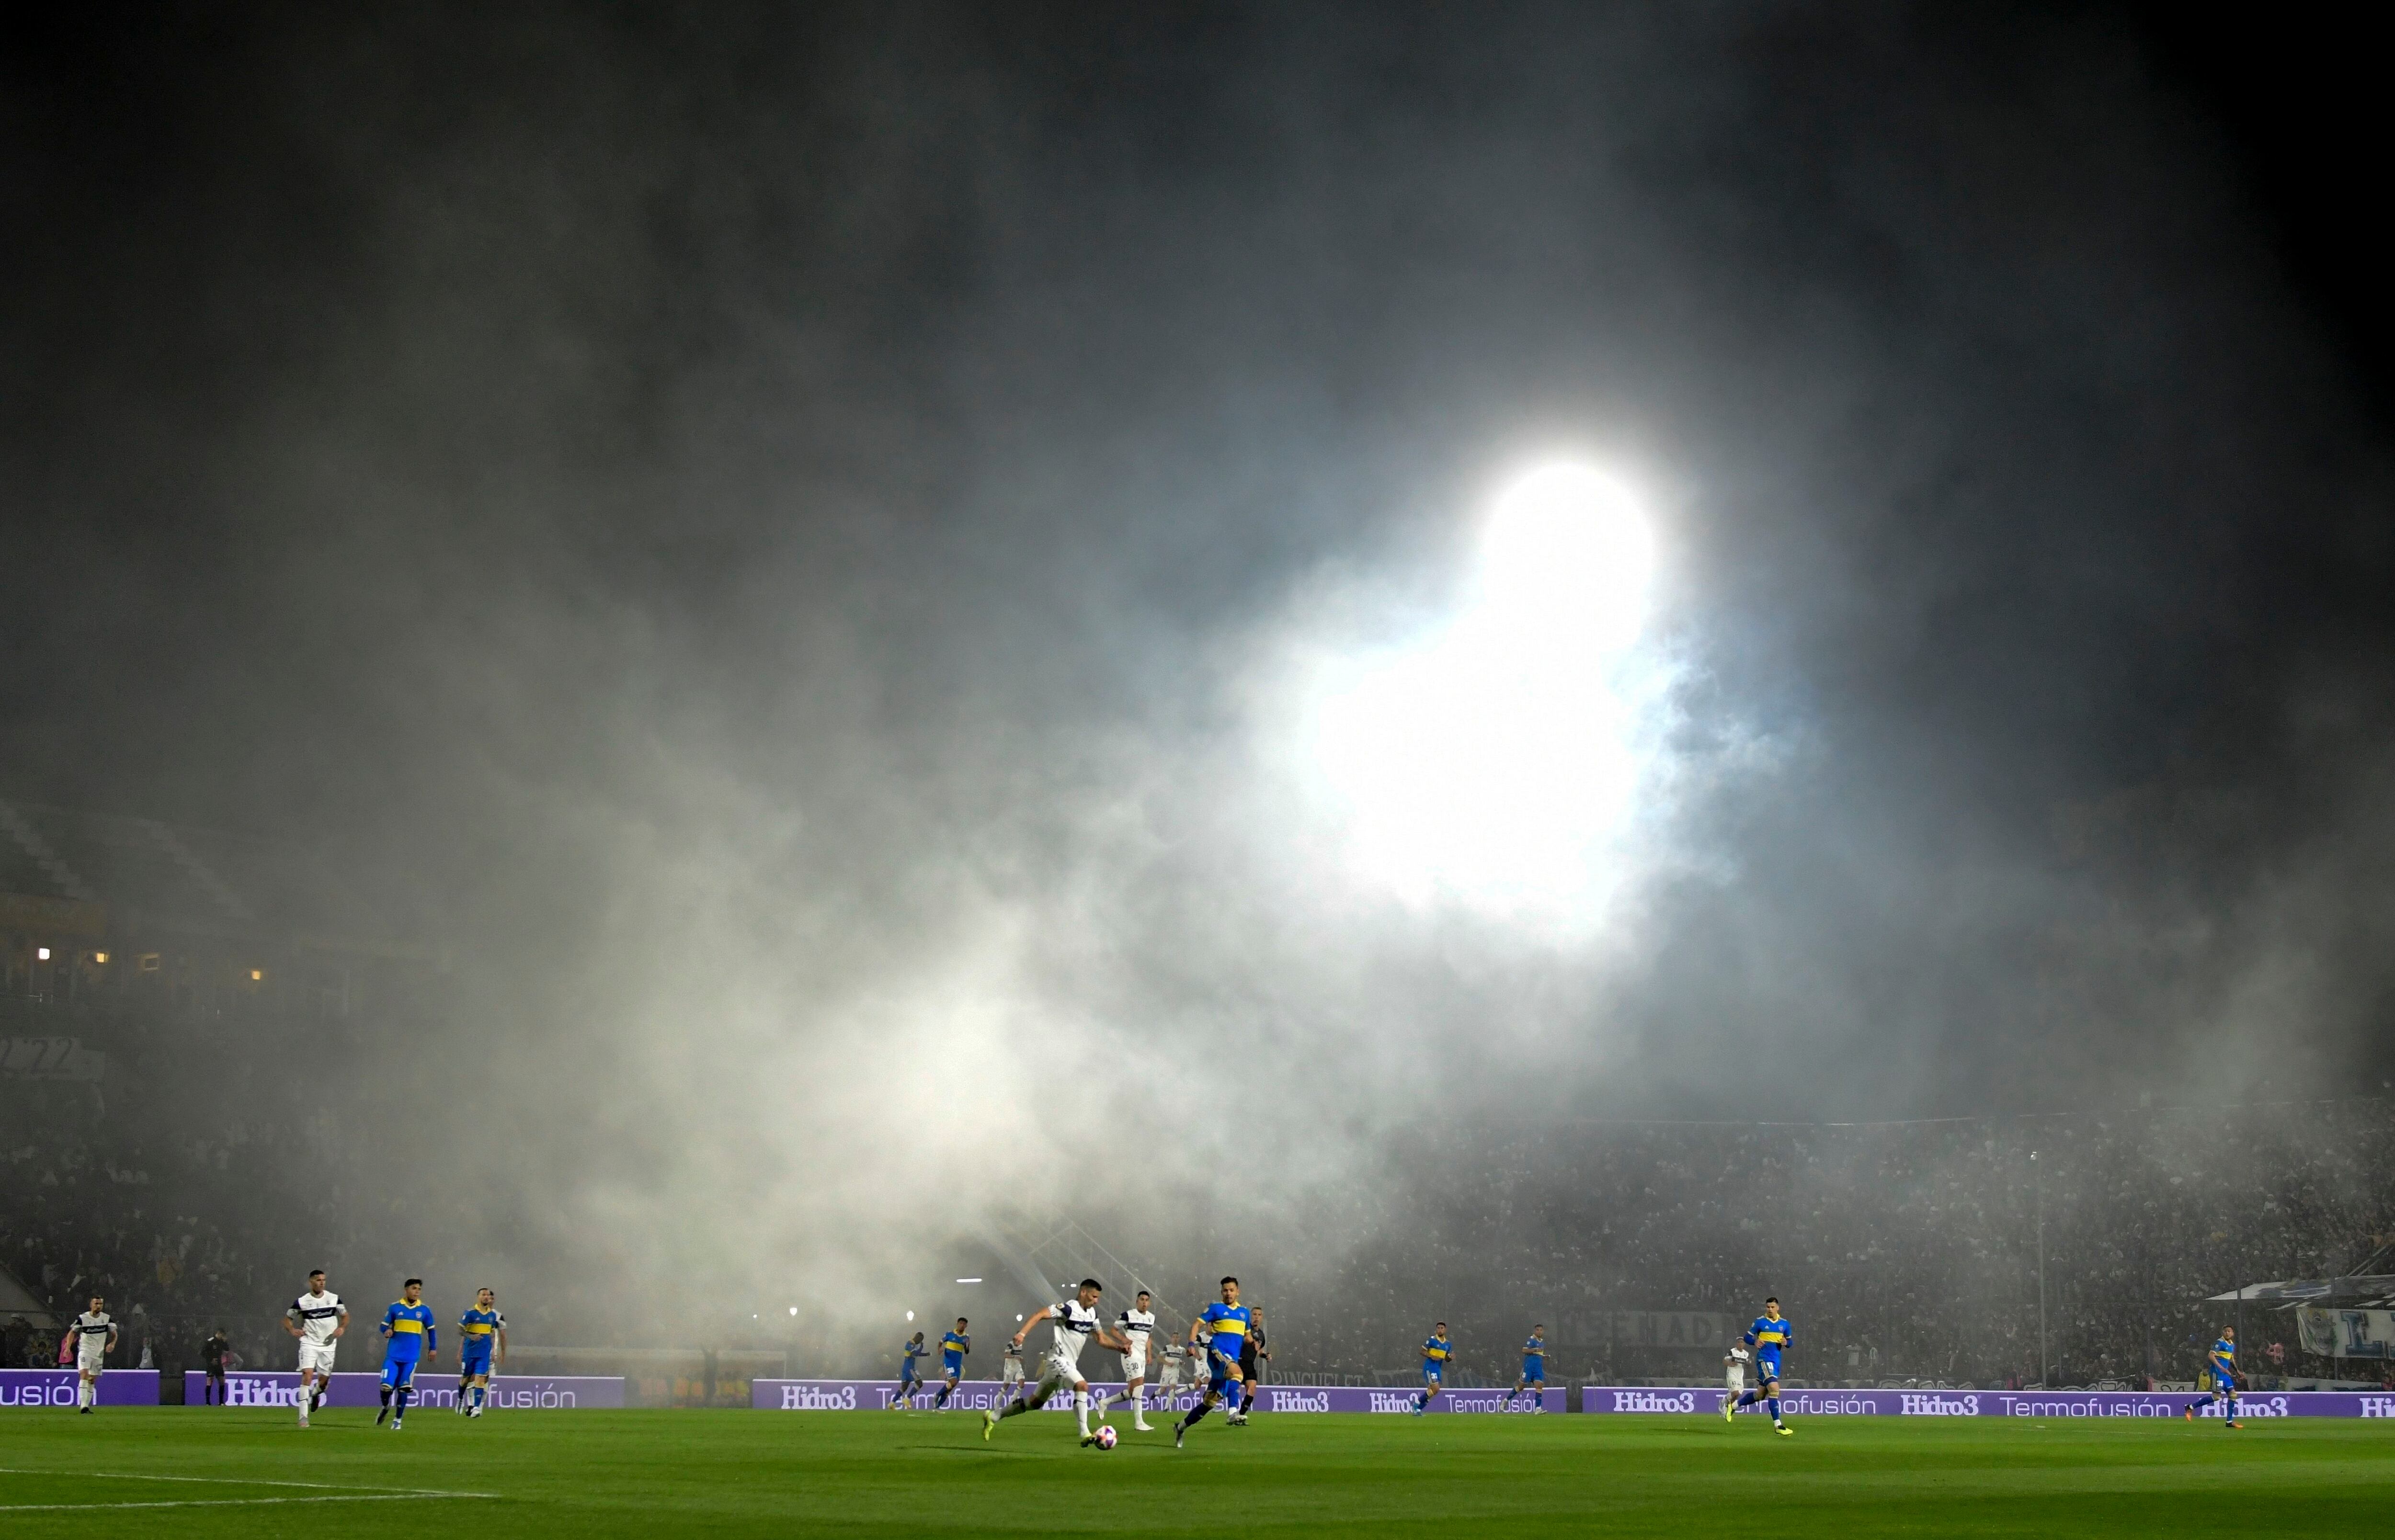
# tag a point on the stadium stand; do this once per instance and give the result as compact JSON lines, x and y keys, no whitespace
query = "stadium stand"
{"x":152,"y":978}
{"x":1906,"y":1252}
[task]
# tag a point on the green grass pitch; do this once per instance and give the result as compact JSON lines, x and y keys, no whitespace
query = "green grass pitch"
{"x":197,"y":1473}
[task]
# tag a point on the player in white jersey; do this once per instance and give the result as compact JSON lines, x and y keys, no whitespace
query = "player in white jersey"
{"x":1168,"y":1376}
{"x":94,"y":1334}
{"x":1010,"y":1372}
{"x":1077,"y":1323}
{"x":1734,"y":1373}
{"x":318,"y":1319}
{"x":1135,"y":1326}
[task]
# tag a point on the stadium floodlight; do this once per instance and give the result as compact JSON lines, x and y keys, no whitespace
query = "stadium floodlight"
{"x":1492,"y":760}
{"x":100,"y":957}
{"x":910,"y":1315}
{"x":968,"y":1279}
{"x":42,"y":954}
{"x":794,"y":1309}
{"x":1567,"y":556}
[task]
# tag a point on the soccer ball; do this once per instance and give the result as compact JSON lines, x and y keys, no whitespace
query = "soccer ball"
{"x":1105,"y":1438}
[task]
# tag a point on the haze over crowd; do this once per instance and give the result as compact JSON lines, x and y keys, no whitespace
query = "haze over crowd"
{"x":816,"y":555}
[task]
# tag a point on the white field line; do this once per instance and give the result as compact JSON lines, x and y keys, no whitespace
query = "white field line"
{"x":236,"y":1502}
{"x":385,"y":1495}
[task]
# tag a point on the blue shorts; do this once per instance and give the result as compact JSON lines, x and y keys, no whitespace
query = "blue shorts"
{"x":909,"y":1374}
{"x":1767,"y":1371}
{"x":1219,"y":1375}
{"x":475,"y":1365}
{"x":2222,"y":1385}
{"x":953,"y":1368}
{"x":399,"y":1373}
{"x":1433,"y":1373}
{"x":1534,"y":1371}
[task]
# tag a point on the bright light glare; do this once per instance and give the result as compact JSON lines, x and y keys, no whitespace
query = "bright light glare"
{"x":1564,"y":562}
{"x":1489,"y":762}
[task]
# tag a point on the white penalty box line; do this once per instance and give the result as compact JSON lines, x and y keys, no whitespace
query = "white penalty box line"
{"x":323,"y":1492}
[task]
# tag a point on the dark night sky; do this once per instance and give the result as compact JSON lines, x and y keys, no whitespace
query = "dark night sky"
{"x":786,"y":521}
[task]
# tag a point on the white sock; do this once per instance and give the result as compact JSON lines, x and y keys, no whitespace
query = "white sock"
{"x":1138,"y":1400}
{"x":1081,"y":1409}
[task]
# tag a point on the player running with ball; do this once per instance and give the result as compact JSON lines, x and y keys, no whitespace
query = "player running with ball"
{"x":1769,"y":1333}
{"x":1077,"y":1323}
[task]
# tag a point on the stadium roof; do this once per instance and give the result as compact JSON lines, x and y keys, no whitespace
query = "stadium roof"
{"x":17,"y":1300}
{"x":2360,"y":1291}
{"x":148,"y":875}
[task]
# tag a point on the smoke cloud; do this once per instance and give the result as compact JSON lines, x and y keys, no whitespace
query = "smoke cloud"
{"x":802,"y":551}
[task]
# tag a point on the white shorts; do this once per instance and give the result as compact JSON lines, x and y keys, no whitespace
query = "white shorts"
{"x":317,"y":1356}
{"x":1064,"y":1370}
{"x":91,"y":1354}
{"x":1134,"y":1365}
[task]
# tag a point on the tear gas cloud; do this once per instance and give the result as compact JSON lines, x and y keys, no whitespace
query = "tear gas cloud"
{"x":959,"y":618}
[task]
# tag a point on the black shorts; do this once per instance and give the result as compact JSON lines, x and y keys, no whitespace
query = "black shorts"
{"x":1248,"y":1370}
{"x":215,"y":1371}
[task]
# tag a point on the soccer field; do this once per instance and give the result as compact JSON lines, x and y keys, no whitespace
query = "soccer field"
{"x":194,"y":1472}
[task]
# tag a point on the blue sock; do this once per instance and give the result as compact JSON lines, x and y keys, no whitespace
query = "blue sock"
{"x":1774,"y":1404}
{"x":2232,"y":1406}
{"x":2200,"y":1405}
{"x":1748,"y":1398}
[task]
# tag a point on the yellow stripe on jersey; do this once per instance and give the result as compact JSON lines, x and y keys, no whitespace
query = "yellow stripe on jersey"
{"x":408,"y":1323}
{"x":1228,"y":1327}
{"x":1776,"y":1340}
{"x":476,"y":1328}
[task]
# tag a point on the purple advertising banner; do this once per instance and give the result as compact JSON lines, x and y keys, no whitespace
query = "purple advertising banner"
{"x":509,"y":1392}
{"x":57,"y":1388}
{"x":1991,"y":1404}
{"x":975,"y":1395}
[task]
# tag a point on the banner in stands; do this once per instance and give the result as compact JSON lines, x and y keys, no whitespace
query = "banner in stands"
{"x":2347,"y":1333}
{"x":51,"y":1058}
{"x":509,"y":1392}
{"x":975,"y":1395}
{"x":1991,"y":1404}
{"x":57,"y":1388}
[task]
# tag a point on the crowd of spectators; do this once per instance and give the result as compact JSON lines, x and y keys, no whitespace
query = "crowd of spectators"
{"x":1904,"y":1251}
{"x":169,"y":1188}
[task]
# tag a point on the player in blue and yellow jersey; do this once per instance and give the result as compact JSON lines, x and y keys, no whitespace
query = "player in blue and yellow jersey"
{"x":1534,"y":1371}
{"x":910,"y":1379}
{"x":1437,"y":1353}
{"x":482,"y":1342}
{"x":2221,"y":1364}
{"x":411,"y":1337}
{"x":954,"y":1346}
{"x":1225,"y":1326}
{"x":1769,"y":1333}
